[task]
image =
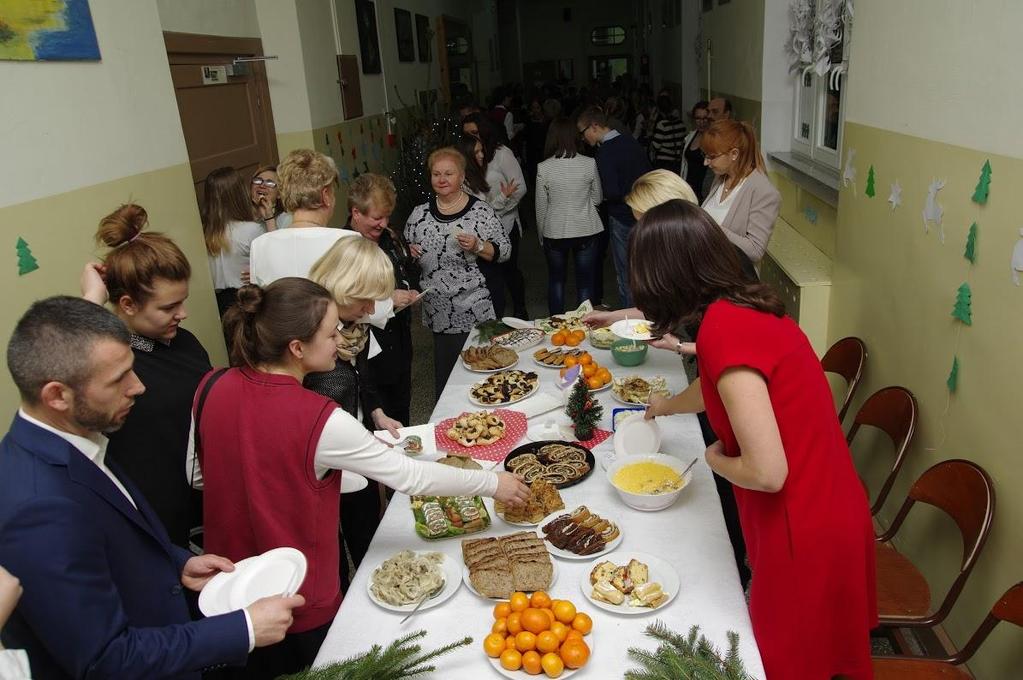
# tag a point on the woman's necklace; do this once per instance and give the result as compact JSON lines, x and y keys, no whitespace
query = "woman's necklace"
{"x":726,"y":191}
{"x":454,"y":206}
{"x":305,"y":223}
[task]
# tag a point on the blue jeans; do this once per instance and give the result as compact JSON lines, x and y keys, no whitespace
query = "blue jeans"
{"x":620,"y":255}
{"x":583,"y":250}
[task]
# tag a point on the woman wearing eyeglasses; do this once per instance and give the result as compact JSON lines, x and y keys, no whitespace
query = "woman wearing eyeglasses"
{"x":693,"y":169}
{"x":266,"y":199}
{"x":741,"y":200}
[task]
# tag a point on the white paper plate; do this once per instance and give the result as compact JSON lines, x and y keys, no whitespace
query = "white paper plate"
{"x":637,"y":435}
{"x":452,"y":582}
{"x":626,"y":328}
{"x":522,"y":675}
{"x":550,"y":431}
{"x":661,"y":572}
{"x":275,"y":572}
{"x":565,"y":554}
{"x":516,"y":323}
{"x":352,"y":482}
{"x":531,"y":338}
{"x":468,"y":583}
{"x":489,"y":370}
{"x":527,"y":395}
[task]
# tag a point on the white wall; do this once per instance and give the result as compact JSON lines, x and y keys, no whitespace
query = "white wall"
{"x":958,"y":59}
{"x":69,"y":125}
{"x":319,"y":53}
{"x":289,"y":93}
{"x":777,"y":84}
{"x":233,"y":18}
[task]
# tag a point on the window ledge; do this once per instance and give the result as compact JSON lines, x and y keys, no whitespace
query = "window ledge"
{"x":820,"y":180}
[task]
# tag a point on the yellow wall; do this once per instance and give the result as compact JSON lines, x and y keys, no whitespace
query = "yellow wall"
{"x":895,"y":285}
{"x":795,"y":203}
{"x":59,"y":230}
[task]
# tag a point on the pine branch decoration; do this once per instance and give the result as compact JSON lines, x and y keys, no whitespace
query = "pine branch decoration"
{"x":688,"y":657}
{"x":399,"y":661}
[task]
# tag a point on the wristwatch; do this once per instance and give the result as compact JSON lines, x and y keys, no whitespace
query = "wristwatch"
{"x":678,"y":347}
{"x":480,"y":245}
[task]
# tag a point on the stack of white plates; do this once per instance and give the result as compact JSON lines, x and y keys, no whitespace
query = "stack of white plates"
{"x":280,"y":571}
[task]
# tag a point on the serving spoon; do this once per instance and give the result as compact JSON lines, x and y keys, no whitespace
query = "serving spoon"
{"x":429,"y":596}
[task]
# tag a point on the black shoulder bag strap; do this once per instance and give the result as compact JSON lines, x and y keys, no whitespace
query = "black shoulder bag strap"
{"x":196,"y":438}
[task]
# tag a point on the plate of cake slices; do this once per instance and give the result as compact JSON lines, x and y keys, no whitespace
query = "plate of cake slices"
{"x":631,"y":583}
{"x":544,"y":500}
{"x":580,"y":534}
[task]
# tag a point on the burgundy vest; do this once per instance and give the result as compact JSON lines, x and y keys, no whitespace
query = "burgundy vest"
{"x":259,"y":433}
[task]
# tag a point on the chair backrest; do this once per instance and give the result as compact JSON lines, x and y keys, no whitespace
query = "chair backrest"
{"x":1008,"y":608}
{"x":892,"y":410}
{"x":846,"y":358}
{"x":964,"y":491}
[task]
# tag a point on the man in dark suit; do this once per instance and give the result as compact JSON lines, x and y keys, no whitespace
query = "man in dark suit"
{"x":104,"y":586}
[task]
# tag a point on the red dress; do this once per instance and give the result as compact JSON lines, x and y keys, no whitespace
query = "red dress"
{"x":811,"y":545}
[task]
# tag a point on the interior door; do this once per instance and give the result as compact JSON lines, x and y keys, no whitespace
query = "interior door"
{"x":224,"y":106}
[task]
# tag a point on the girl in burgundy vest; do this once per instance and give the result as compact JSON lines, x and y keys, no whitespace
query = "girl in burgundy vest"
{"x":271,"y":450}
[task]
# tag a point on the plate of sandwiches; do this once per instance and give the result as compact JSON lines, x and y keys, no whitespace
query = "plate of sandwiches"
{"x":632,"y":583}
{"x":497,"y":567}
{"x":488,"y":358}
{"x":582,"y":534}
{"x":543,"y":500}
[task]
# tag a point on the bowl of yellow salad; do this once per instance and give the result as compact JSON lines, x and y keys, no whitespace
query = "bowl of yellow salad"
{"x":648,"y":482}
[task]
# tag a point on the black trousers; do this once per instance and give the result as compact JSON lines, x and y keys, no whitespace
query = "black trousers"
{"x":447,"y":347}
{"x":513,"y":278}
{"x":294,"y":653}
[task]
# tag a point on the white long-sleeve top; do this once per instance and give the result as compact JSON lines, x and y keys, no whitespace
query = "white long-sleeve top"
{"x":568,"y":192}
{"x":346,"y":445}
{"x":503,"y":168}
{"x":227,"y":267}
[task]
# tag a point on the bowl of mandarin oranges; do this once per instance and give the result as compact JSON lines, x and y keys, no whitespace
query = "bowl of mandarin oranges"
{"x":534,"y":634}
{"x":596,"y":376}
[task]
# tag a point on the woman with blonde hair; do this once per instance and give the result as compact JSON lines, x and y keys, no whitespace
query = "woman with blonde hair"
{"x":145,"y":277}
{"x":742,"y":199}
{"x":449,"y":232}
{"x":229,"y":228}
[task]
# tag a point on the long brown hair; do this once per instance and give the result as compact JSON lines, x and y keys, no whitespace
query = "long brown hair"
{"x":137,"y":259}
{"x":265,"y":320}
{"x":726,"y":134}
{"x":680,"y":261}
{"x":226,"y":198}
{"x":562,"y":139}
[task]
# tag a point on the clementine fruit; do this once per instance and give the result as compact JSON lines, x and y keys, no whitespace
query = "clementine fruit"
{"x":573,"y":634}
{"x":514,"y":623}
{"x":574,"y":653}
{"x":564,"y":611}
{"x":558,"y":339}
{"x":546,"y":641}
{"x":579,"y":334}
{"x":589,"y":370}
{"x":534,"y":620}
{"x":552,"y":664}
{"x":573,"y":341}
{"x":493,"y":645}
{"x":509,"y":642}
{"x":561,"y":630}
{"x":518,"y":602}
{"x":594,"y":383}
{"x":570,"y":362}
{"x":550,"y":615}
{"x":511,"y":660}
{"x":500,"y":627}
{"x":585,"y":359}
{"x":582,"y":623}
{"x":540,"y":599}
{"x":525,"y":641}
{"x":531,"y":663}
{"x":502,"y":610}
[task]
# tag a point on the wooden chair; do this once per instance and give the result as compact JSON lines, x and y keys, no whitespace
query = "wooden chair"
{"x":846,"y":358}
{"x":893,"y":411}
{"x":964,"y":491}
{"x":1008,"y":608}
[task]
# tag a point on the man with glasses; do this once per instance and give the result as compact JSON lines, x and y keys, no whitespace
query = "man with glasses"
{"x":620,"y":161}
{"x":720,"y":109}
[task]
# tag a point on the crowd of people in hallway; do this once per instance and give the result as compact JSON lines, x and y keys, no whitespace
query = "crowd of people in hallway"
{"x":128,"y":439}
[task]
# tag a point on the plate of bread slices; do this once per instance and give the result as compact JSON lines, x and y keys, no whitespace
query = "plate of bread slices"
{"x":582,"y":534}
{"x":631,"y":583}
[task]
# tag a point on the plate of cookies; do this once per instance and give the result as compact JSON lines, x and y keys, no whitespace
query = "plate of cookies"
{"x":484,"y":435}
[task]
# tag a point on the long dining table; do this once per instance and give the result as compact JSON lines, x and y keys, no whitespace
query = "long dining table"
{"x":690,"y":535}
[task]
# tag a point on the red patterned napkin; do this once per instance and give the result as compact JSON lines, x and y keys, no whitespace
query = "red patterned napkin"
{"x":514,"y":430}
{"x":598,"y":437}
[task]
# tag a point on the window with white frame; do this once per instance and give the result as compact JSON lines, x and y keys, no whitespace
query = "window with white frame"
{"x":819,"y":106}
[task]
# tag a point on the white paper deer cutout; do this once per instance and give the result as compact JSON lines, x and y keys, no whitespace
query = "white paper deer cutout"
{"x":933,"y":210}
{"x":1017,"y":259}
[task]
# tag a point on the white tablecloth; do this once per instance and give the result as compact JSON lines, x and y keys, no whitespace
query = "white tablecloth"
{"x":690,"y":535}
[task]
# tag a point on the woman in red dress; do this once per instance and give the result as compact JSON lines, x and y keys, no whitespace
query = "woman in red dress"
{"x":803,"y":511}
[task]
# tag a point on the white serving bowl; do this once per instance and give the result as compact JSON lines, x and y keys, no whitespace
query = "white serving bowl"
{"x":649,"y":502}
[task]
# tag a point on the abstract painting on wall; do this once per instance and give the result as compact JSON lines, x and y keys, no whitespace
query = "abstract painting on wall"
{"x":47,"y":30}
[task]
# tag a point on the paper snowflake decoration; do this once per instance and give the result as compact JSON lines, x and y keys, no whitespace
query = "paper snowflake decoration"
{"x":895,"y":197}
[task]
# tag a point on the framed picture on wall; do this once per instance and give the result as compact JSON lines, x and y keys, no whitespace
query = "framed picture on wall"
{"x":369,"y":46}
{"x":403,"y":34}
{"x":423,"y":37}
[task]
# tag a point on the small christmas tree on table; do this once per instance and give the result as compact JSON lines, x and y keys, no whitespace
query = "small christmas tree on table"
{"x":870,"y":182}
{"x":584,"y":410}
{"x":26,"y":262}
{"x":980,"y":194}
{"x":963,"y":309}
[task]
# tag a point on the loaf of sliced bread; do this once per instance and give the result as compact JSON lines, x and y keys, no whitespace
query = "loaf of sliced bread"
{"x":498,"y":567}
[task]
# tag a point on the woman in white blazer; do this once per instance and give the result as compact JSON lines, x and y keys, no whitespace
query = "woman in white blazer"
{"x":567,"y":194}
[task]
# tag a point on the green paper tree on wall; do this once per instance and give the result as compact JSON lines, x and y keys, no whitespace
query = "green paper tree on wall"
{"x":953,"y":376}
{"x":963,"y":309}
{"x":971,"y":244}
{"x":870,"y":182}
{"x":26,"y":261}
{"x":980,"y":194}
